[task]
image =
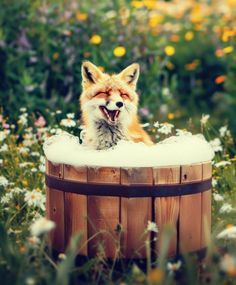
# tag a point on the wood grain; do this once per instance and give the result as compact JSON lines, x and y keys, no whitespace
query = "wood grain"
{"x":76,"y":209}
{"x":135,"y":213}
{"x":55,"y":169}
{"x":56,"y":214}
{"x":190,"y":211}
{"x":103,"y":213}
{"x":166,"y":209}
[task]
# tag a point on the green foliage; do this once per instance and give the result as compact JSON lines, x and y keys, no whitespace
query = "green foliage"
{"x":42,"y":45}
{"x":25,"y":259}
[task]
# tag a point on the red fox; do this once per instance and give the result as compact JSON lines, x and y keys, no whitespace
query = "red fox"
{"x":109,"y":106}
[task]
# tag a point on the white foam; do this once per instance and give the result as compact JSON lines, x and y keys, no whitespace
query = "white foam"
{"x":176,"y":150}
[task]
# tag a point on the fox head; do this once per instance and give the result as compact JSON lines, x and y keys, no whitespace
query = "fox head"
{"x":111,"y":98}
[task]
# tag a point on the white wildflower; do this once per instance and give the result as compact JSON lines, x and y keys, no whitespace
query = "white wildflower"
{"x":228,"y":263}
{"x":2,"y":136}
{"x":152,"y":227}
{"x":25,"y":164}
{"x":30,"y":281}
{"x":42,"y":168}
{"x":35,"y":153}
{"x":173,"y":267}
{"x":1,"y":161}
{"x":33,"y":241}
{"x":216,"y":145}
{"x":164,"y":109}
{"x":4,"y":148}
{"x":217,"y":197}
{"x":58,"y":112}
{"x":222,"y":163}
{"x":17,"y":190}
{"x":70,"y":115}
{"x":214,"y":182}
{"x":5,"y":200}
{"x":52,"y":131}
{"x":229,"y":232}
{"x":204,"y":119}
{"x":34,"y":169}
{"x":165,"y":128}
{"x":23,"y":119}
{"x":226,"y":208}
{"x":182,"y":132}
{"x":224,"y":131}
{"x":24,"y":150}
{"x":145,"y":125}
{"x":41,"y":226}
{"x":62,"y":256}
{"x":68,"y":123}
{"x":3,"y":181}
{"x":166,"y":92}
{"x":156,"y":124}
{"x":23,"y":109}
{"x":35,"y":198}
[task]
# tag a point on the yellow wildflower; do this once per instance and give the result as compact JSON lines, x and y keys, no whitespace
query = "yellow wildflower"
{"x":170,"y":116}
{"x":119,"y":51}
{"x":22,"y":249}
{"x":228,"y":49}
{"x":170,"y":65}
{"x":17,"y":207}
{"x":156,"y":276}
{"x":150,"y":4}
{"x":189,"y":36}
{"x":81,"y":16}
{"x":95,"y":39}
{"x":227,"y":34}
{"x":155,"y":20}
{"x":169,"y":50}
{"x":25,"y":183}
{"x":137,"y":4}
{"x":55,"y":56}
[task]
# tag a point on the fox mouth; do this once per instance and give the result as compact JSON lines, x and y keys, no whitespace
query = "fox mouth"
{"x":111,"y":116}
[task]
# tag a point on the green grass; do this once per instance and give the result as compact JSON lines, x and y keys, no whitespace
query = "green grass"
{"x":24,"y":260}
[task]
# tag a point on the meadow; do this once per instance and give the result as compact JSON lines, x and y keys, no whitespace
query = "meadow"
{"x":186,"y":50}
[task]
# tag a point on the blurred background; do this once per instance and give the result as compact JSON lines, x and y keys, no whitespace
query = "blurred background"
{"x":186,"y":49}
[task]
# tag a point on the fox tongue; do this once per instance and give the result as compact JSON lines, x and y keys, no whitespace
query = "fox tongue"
{"x":112,"y":115}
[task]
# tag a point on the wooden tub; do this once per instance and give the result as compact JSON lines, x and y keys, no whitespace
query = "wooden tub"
{"x":111,"y":207}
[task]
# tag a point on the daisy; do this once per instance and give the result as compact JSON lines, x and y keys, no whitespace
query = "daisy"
{"x":35,"y":198}
{"x":69,"y":123}
{"x":3,"y":181}
{"x":152,"y":227}
{"x":229,"y":232}
{"x":41,"y":226}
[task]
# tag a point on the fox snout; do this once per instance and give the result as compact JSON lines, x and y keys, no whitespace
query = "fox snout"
{"x":119,"y":104}
{"x":114,"y":104}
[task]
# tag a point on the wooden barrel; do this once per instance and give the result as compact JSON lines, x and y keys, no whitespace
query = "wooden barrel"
{"x":111,"y":207}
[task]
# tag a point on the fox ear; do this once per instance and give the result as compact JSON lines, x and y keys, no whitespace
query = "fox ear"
{"x":90,"y":73}
{"x":130,"y":74}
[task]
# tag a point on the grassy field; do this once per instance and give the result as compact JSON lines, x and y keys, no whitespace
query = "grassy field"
{"x":24,"y":255}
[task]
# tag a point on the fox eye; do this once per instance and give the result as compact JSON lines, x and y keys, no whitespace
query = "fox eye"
{"x":101,"y":94}
{"x":124,"y":96}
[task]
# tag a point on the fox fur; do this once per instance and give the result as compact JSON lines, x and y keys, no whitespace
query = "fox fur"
{"x":109,"y":106}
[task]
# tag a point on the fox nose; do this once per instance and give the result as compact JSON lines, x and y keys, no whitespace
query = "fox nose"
{"x":119,"y":104}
